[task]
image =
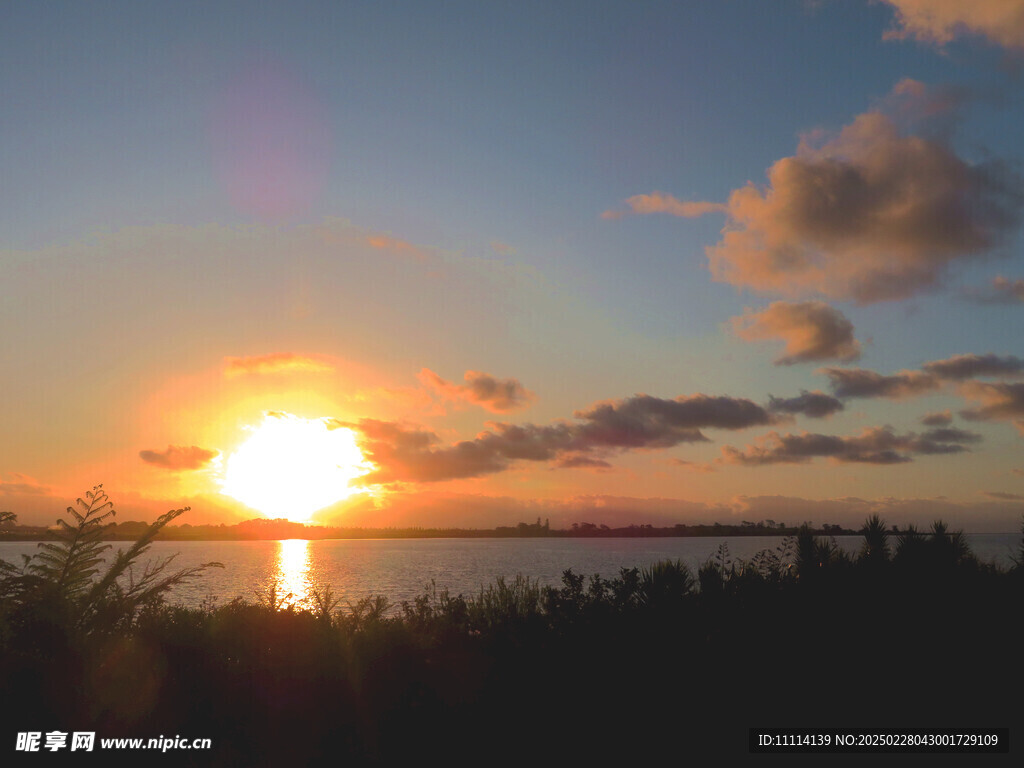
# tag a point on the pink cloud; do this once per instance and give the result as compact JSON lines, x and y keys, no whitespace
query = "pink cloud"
{"x":660,"y":202}
{"x":940,"y":21}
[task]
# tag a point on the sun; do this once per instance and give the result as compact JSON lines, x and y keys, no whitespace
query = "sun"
{"x":292,"y":466}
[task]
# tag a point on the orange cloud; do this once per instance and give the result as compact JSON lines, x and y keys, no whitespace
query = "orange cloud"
{"x":660,"y":202}
{"x":999,"y":402}
{"x":397,"y":247}
{"x":279,"y":362}
{"x":870,"y":215}
{"x":20,"y":484}
{"x":494,"y":395}
{"x":812,"y":331}
{"x":179,"y":457}
{"x":940,"y":21}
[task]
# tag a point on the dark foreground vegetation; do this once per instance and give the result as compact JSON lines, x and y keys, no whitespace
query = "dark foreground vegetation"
{"x":648,"y":664}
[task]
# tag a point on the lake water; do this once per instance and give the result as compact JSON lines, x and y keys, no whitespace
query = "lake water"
{"x":400,"y":569}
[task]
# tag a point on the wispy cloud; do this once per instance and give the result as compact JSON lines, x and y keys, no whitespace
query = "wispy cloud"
{"x":1003,"y":496}
{"x":278,"y":362}
{"x":660,"y":202}
{"x":180,"y":457}
{"x":397,"y":247}
{"x":1001,"y":291}
{"x":812,"y":331}
{"x":502,"y":248}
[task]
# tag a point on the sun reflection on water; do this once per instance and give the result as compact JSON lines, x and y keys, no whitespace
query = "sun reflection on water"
{"x":293,"y":567}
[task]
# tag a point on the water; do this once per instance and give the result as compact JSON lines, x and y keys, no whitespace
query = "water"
{"x":400,"y":569}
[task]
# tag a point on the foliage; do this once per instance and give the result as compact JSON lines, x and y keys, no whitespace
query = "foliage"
{"x":370,"y":685}
{"x":876,"y":545}
{"x":72,"y":582}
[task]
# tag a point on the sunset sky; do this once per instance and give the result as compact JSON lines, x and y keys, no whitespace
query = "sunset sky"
{"x":616,"y":262}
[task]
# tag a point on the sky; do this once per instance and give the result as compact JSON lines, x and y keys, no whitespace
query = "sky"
{"x":469,"y":264}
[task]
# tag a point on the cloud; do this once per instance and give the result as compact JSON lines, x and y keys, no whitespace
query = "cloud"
{"x":950,"y":435}
{"x":692,"y":466}
{"x":494,"y":395}
{"x":999,"y":402}
{"x":660,"y":202}
{"x":502,"y":248}
{"x":1003,"y":291}
{"x":278,"y":362}
{"x":398,"y":247}
{"x":577,"y":461}
{"x":937,"y":419}
{"x":960,"y":367}
{"x":179,"y":457}
{"x":1002,"y":496}
{"x":22,"y":485}
{"x":869,"y":215}
{"x":940,"y":21}
{"x":406,"y":454}
{"x":860,"y":382}
{"x":814,"y":404}
{"x":643,"y":421}
{"x":875,"y":445}
{"x":812,"y":331}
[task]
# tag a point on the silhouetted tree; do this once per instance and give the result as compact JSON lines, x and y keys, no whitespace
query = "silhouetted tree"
{"x":876,"y":545}
{"x":806,"y":552}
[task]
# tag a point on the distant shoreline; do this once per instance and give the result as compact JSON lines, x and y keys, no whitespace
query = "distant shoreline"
{"x":273,"y":530}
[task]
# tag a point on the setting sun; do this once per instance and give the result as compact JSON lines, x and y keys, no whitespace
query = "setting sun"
{"x":292,"y":466}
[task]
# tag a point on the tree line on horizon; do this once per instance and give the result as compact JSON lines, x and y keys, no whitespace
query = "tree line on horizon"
{"x":273,"y":529}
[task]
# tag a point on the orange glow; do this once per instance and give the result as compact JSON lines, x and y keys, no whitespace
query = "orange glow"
{"x":292,"y":466}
